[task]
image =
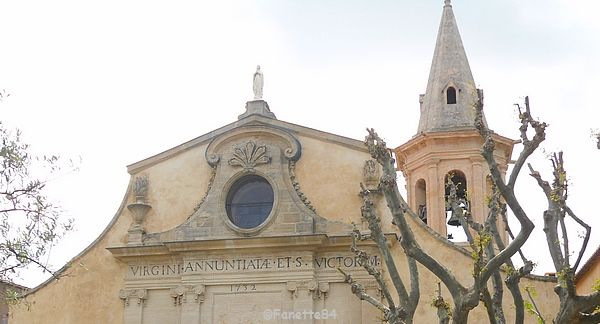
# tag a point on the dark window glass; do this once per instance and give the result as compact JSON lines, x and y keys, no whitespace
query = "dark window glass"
{"x":249,"y":201}
{"x":451,"y":95}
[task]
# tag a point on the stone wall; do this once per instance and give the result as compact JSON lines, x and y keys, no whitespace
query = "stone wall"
{"x":238,"y":277}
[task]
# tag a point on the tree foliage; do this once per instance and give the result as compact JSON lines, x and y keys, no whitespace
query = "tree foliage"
{"x":30,"y":224}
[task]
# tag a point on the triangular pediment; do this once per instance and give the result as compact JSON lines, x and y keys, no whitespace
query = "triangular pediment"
{"x":251,"y":120}
{"x":258,"y":152}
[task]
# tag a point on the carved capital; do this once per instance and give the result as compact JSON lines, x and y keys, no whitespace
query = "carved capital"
{"x":199,"y":293}
{"x":319,"y":290}
{"x":180,"y":294}
{"x":137,"y":294}
{"x":292,"y":287}
{"x":434,"y":163}
{"x":477,"y":160}
{"x":323,"y":290}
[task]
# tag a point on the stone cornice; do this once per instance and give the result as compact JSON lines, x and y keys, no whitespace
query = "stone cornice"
{"x":419,"y":142}
{"x":273,"y":243}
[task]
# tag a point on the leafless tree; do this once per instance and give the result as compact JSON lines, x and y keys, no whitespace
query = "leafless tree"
{"x":491,"y":255}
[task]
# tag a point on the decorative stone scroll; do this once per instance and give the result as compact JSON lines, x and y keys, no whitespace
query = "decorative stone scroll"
{"x":292,"y":149}
{"x":140,"y":294}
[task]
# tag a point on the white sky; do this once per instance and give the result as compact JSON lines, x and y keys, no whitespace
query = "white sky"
{"x":114,"y":82}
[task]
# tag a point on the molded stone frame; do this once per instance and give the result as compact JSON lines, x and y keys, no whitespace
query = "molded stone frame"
{"x":227,"y":187}
{"x":451,"y":84}
{"x":264,"y":150}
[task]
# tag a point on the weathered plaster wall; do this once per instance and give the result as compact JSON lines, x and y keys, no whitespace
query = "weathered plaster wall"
{"x":329,"y":174}
{"x":585,"y":283}
{"x":176,"y":187}
{"x":461,"y":264}
{"x":87,"y":291}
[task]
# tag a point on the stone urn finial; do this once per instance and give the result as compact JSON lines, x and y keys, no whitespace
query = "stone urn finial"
{"x":139,"y":209}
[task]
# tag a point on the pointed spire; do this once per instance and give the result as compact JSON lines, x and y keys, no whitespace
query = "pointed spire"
{"x":449,"y":100}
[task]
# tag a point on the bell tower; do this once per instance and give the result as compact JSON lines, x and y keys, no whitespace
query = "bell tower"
{"x":447,"y":145}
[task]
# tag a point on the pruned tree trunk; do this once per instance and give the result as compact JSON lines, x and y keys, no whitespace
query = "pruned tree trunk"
{"x":490,"y":253}
{"x":573,"y":308}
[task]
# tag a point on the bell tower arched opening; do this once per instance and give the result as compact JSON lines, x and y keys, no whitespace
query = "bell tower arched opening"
{"x":453,"y":227}
{"x":421,"y":199}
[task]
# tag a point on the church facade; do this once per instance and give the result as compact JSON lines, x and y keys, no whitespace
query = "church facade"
{"x":250,"y":223}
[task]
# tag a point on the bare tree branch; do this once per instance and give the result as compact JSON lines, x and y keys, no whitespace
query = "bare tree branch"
{"x":489,"y":251}
{"x":534,"y":308}
{"x":359,"y":291}
{"x":368,"y":213}
{"x":507,"y":191}
{"x":398,"y":208}
{"x":529,"y":146}
{"x":443,"y":309}
{"x":363,"y":260}
{"x":586,"y":238}
{"x":486,"y":298}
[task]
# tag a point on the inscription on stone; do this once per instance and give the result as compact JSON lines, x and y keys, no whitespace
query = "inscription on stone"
{"x":246,"y":264}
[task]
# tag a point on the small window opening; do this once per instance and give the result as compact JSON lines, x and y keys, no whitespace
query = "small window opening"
{"x":451,"y":95}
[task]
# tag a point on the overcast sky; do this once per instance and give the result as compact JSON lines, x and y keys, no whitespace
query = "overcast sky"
{"x":114,"y":82}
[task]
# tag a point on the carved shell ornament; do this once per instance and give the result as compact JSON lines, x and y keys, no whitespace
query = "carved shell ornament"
{"x":249,"y":155}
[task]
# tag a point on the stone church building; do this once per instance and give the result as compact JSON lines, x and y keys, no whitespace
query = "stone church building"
{"x":251,"y":221}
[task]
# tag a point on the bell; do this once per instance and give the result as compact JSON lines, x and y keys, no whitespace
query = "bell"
{"x":454,"y":220}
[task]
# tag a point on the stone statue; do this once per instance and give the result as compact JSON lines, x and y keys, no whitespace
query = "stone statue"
{"x":370,"y":174}
{"x":258,"y":83}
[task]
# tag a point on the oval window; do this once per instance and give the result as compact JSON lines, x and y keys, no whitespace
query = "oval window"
{"x":249,"y":201}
